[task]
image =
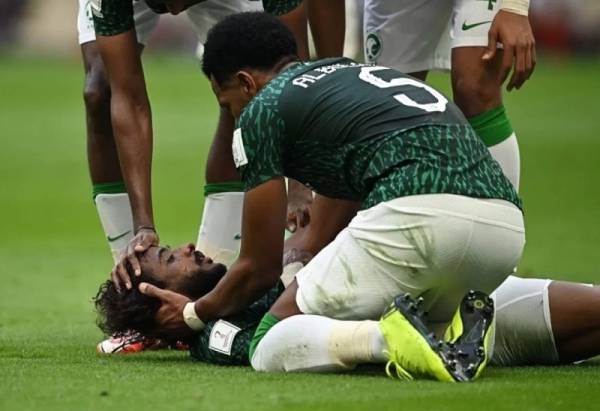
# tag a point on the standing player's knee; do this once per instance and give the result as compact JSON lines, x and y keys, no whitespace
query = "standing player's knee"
{"x":474,"y":96}
{"x":96,"y":93}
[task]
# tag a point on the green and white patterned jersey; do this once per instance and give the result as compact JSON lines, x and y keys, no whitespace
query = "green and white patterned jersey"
{"x":226,"y":341}
{"x":365,"y":133}
{"x":112,"y":17}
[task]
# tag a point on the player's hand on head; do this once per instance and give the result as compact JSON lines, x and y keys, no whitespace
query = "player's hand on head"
{"x":144,"y":238}
{"x":514,"y":32}
{"x":169,"y":317}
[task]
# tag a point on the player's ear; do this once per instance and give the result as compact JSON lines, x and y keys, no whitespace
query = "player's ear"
{"x":247,"y":82}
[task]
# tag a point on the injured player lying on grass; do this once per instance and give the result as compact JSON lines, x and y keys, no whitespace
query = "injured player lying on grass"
{"x":538,"y":321}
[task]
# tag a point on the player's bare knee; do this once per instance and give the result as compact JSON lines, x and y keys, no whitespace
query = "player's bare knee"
{"x":96,"y":93}
{"x":474,"y":96}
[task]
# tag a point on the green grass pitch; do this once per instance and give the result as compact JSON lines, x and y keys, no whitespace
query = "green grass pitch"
{"x":53,"y":255}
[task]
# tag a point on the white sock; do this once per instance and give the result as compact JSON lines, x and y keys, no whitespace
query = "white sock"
{"x":319,"y":344}
{"x":220,"y":231}
{"x":114,"y":211}
{"x":507,"y":154}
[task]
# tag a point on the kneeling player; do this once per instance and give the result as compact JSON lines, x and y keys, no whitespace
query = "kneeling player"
{"x":438,"y":216}
{"x":538,"y":322}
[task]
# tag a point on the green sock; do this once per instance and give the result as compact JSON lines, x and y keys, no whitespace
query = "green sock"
{"x":267,"y":322}
{"x":492,"y":126}
{"x":116,"y":187}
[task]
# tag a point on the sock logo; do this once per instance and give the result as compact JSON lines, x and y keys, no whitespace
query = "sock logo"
{"x":115,"y":238}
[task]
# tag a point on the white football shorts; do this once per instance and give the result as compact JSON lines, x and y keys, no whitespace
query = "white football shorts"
{"x":523,"y":325}
{"x":417,"y":35}
{"x":203,"y":16}
{"x":437,"y":246}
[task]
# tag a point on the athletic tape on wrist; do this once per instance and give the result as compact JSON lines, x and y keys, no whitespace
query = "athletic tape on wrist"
{"x":191,"y":318}
{"x":516,"y":6}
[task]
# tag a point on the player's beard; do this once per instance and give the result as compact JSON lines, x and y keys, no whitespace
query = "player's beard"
{"x":201,"y":282}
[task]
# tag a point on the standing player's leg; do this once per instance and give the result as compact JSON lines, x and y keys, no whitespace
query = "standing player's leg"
{"x":328,"y":26}
{"x":477,"y":83}
{"x":109,"y":191}
{"x":220,"y":227}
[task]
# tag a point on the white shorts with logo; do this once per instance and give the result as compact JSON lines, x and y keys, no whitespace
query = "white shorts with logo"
{"x":203,"y":16}
{"x":437,"y":246}
{"x":417,"y":35}
{"x":523,"y":325}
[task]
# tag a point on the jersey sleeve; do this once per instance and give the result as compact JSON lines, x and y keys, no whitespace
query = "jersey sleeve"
{"x":258,"y":142}
{"x":226,"y":341}
{"x":112,"y":17}
{"x":279,"y":7}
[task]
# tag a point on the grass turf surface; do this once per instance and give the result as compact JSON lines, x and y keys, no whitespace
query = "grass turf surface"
{"x":53,"y":255}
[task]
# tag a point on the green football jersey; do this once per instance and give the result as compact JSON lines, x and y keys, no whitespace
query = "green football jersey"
{"x":112,"y":17}
{"x":279,"y":7}
{"x":226,"y":341}
{"x":365,"y":133}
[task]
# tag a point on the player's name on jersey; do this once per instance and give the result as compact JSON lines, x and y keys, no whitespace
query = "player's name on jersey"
{"x":308,"y":79}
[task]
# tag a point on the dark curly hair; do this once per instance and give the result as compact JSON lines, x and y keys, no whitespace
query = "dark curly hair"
{"x":121,"y":312}
{"x":127,"y":310}
{"x":246,"y":40}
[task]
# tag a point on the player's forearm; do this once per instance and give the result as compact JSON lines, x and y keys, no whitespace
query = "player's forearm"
{"x":243,"y":284}
{"x":132,"y":126}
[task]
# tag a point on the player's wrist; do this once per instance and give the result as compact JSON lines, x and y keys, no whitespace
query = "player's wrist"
{"x":516,"y":6}
{"x":145,"y":227}
{"x":190,"y":317}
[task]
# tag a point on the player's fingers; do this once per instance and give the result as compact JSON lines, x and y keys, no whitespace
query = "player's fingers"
{"x":153,"y":291}
{"x":531,"y":58}
{"x":492,"y":46}
{"x":122,"y":275}
{"x":144,"y":242}
{"x":507,"y":63}
{"x":149,"y":290}
{"x":529,"y":65}
{"x":134,"y":262}
{"x":519,"y":71}
{"x":115,"y":279}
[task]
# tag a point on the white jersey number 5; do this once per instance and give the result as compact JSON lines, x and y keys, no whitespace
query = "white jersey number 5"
{"x":439,"y":105}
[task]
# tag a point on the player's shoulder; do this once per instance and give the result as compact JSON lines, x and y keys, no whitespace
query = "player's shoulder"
{"x":267,"y":99}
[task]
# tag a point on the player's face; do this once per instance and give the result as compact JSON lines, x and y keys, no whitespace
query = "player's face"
{"x":232,"y":96}
{"x":183,"y":269}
